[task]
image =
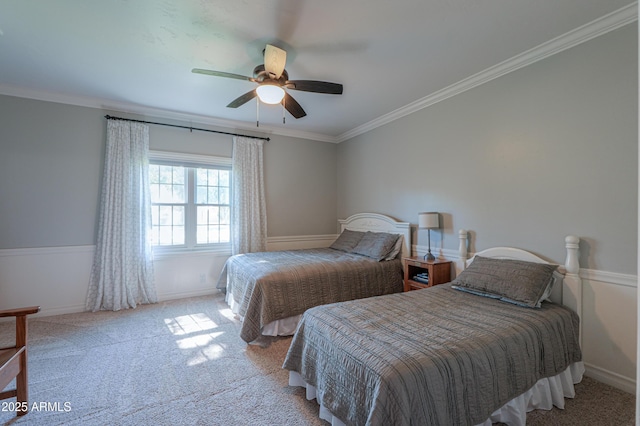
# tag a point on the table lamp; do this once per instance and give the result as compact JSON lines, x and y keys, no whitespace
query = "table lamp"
{"x":429,"y":221}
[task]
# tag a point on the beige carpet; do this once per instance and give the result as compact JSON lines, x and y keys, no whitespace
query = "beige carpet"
{"x":182,"y":363}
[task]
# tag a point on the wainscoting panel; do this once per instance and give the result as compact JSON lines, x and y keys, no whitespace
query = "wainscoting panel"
{"x":56,"y":278}
{"x":609,"y":328}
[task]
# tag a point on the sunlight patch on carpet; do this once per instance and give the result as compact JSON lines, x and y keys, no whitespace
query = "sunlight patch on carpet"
{"x":207,"y":349}
{"x":200,"y":341}
{"x":188,"y":324}
{"x":207,"y":354}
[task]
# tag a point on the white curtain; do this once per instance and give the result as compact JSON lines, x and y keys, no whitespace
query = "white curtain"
{"x":122,"y":273}
{"x":249,"y":212}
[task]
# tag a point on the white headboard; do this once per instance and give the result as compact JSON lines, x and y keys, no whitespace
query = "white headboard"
{"x":375,"y":222}
{"x":570,"y":294}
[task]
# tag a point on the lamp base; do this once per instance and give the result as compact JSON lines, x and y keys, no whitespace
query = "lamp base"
{"x":429,"y":257}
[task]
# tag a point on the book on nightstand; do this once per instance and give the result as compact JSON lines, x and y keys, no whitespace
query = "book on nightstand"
{"x":422,"y":278}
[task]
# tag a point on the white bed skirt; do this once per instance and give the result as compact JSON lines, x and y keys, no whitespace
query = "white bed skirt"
{"x":282,"y":327}
{"x":542,"y":396}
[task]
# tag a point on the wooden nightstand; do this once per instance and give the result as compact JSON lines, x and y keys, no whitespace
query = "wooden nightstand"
{"x":437,"y":271}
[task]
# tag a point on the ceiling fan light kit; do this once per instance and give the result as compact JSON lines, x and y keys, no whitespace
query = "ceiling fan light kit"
{"x":270,"y":94}
{"x":272,"y":80}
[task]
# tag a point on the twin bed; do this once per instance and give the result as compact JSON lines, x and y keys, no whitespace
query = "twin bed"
{"x":271,"y":290}
{"x":488,"y":347}
{"x":459,"y":353}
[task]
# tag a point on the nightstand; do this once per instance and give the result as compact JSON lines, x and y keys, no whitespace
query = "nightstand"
{"x":434,"y":272}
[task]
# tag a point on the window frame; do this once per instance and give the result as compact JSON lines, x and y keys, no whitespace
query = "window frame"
{"x":192,"y":161}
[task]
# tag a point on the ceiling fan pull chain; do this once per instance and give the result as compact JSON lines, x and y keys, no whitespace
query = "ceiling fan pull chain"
{"x":283,"y":116}
{"x":257,"y":112}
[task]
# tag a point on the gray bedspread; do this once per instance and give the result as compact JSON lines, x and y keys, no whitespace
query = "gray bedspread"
{"x":273,"y":285}
{"x":436,"y":356}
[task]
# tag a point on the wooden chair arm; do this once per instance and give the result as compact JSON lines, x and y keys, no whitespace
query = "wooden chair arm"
{"x":19,"y":312}
{"x":13,"y":360}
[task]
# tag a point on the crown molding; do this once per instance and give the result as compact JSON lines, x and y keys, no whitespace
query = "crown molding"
{"x":124,"y":107}
{"x":596,"y":28}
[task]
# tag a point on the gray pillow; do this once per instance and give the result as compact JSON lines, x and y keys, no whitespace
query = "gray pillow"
{"x":347,"y":240}
{"x":514,"y":281}
{"x":397,"y":248}
{"x":376,"y":245}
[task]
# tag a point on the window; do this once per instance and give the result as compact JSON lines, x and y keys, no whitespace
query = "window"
{"x":213,"y":209}
{"x":190,"y":201}
{"x":169,"y":204}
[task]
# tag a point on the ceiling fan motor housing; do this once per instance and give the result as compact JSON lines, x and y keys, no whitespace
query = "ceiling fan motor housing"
{"x":261,"y":75}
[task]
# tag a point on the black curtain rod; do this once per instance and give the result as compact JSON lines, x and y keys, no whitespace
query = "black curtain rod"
{"x":109,"y":117}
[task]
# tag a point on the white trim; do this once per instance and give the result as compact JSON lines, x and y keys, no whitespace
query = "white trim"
{"x":185,"y":294}
{"x":61,"y":310}
{"x":162,"y":297}
{"x":626,"y":280}
{"x":44,"y":251}
{"x":596,"y":28}
{"x":610,"y":378}
{"x":440,"y":253}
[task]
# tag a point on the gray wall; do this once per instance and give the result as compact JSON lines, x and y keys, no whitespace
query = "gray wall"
{"x":540,"y":153}
{"x":50,"y":162}
{"x":51,"y":159}
{"x":301,"y":181}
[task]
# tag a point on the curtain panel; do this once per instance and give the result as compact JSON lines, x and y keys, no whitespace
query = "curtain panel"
{"x":249,"y":212}
{"x":122,"y":273}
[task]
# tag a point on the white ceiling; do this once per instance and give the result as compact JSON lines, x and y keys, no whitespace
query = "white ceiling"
{"x":391,"y":56}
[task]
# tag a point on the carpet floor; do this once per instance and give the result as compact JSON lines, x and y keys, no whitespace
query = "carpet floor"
{"x":182,"y":362}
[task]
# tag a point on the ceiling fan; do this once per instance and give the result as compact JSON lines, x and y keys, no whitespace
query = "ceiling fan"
{"x":272,"y":80}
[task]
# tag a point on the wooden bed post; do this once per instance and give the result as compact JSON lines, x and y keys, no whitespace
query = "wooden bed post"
{"x":461,"y":264}
{"x":572,"y":289}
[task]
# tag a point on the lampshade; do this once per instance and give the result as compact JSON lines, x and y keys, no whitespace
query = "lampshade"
{"x":428,"y":220}
{"x":270,"y":94}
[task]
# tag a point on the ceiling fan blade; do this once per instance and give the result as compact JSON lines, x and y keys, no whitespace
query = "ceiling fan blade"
{"x":242,"y":99}
{"x":293,"y":106}
{"x":221,"y":74}
{"x":315,"y":86}
{"x":274,"y":61}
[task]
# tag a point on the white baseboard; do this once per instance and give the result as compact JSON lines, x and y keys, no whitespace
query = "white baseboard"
{"x":186,"y":294}
{"x":74,"y":309}
{"x":610,"y":378}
